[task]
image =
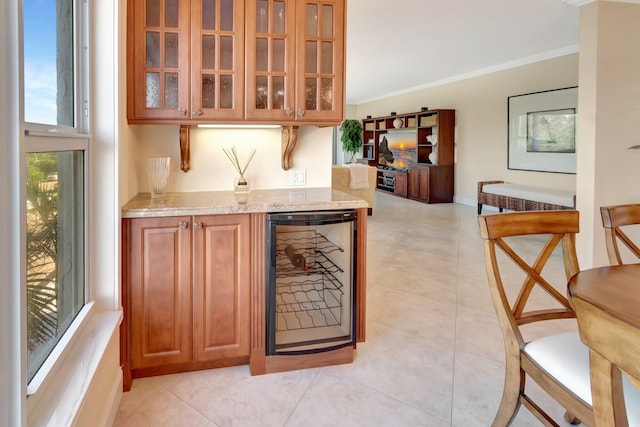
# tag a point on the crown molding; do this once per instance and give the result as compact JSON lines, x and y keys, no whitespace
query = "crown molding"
{"x":583,"y":2}
{"x":577,"y":2}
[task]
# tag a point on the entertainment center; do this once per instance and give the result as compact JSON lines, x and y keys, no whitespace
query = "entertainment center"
{"x":414,"y":153}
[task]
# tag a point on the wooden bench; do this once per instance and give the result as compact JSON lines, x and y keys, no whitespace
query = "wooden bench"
{"x":518,"y":197}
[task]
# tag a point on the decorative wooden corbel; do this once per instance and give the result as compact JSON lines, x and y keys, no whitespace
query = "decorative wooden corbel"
{"x":289,"y":141}
{"x":185,"y":149}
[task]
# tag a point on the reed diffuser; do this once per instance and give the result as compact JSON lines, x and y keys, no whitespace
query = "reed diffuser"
{"x":242,"y":186}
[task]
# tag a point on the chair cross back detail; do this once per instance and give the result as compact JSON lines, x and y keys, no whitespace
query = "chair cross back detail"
{"x":534,"y":278}
{"x":614,"y":218}
{"x":530,"y":359}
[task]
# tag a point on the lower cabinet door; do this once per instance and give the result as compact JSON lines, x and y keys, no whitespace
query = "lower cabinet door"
{"x":221,"y":286}
{"x":159,"y":291}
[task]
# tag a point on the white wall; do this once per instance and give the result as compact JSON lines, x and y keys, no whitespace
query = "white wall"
{"x":481,"y":120}
{"x":610,"y":102}
{"x":210,"y":168}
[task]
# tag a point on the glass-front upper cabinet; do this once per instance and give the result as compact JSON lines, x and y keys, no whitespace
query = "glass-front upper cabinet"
{"x":320,"y":60}
{"x":158,"y":80}
{"x":217,"y":59}
{"x":270,"y":59}
{"x":185,"y":60}
{"x":295,"y":60}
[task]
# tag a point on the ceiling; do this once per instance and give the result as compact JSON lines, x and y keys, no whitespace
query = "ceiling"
{"x":395,"y":47}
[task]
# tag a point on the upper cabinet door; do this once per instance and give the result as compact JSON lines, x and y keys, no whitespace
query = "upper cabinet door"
{"x":158,"y":83}
{"x":270,"y":59}
{"x":217,"y":59}
{"x":320,"y":60}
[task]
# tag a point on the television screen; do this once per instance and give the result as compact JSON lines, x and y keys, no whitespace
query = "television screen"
{"x":398,"y":149}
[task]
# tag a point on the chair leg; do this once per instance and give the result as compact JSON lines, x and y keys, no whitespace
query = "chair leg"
{"x":570,"y":418}
{"x":510,"y":403}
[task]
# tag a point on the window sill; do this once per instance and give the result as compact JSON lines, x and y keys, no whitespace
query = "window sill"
{"x":56,"y":398}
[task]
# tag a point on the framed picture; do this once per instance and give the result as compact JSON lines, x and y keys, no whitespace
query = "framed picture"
{"x":542,"y":131}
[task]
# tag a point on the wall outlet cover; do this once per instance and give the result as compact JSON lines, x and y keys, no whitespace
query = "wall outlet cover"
{"x":297,"y":177}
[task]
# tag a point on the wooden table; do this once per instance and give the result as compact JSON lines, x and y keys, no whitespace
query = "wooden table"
{"x":607,"y":304}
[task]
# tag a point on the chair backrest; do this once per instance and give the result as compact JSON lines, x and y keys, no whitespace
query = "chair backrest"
{"x":614,"y":218}
{"x":554,"y":228}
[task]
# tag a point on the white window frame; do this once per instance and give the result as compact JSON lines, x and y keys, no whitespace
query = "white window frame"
{"x":49,"y":138}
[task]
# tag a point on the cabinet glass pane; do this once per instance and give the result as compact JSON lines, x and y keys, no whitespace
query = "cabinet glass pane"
{"x":326,"y":94}
{"x":171,"y":13}
{"x":171,"y":90}
{"x":312,"y":20}
{"x":226,"y":15}
{"x":171,"y":50}
{"x":152,"y":18}
{"x":262,"y":12}
{"x":261,"y":92}
{"x":208,"y":91}
{"x":326,"y":61}
{"x":311,"y":57}
{"x":278,"y":55}
{"x":226,"y":53}
{"x":262,"y":54}
{"x":152,"y":84}
{"x":278,"y":92}
{"x":153,"y":49}
{"x":209,"y":52}
{"x":327,"y":20}
{"x":209,"y":14}
{"x":278,"y":18}
{"x":311,"y":91}
{"x":226,"y":91}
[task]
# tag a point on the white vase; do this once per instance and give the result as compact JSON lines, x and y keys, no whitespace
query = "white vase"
{"x":433,"y":158}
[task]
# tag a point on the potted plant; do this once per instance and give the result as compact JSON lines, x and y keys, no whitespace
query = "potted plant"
{"x":351,"y":137}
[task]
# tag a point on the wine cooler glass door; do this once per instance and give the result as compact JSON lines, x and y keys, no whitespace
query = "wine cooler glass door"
{"x":310,"y":283}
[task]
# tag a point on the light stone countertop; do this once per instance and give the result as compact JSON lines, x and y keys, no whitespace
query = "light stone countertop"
{"x":228,"y":202}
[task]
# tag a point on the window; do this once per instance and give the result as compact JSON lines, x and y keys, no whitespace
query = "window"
{"x":56,"y":149}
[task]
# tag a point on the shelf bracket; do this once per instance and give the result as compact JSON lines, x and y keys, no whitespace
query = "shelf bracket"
{"x":289,"y":141}
{"x":185,"y":148}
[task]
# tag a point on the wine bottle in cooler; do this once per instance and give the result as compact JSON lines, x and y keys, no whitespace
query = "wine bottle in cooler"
{"x":296,"y":259}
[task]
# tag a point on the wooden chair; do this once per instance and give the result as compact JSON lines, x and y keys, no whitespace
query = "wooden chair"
{"x":559,"y":362}
{"x":614,"y":218}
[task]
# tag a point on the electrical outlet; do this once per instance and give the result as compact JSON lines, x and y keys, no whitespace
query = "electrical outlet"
{"x":297,"y":177}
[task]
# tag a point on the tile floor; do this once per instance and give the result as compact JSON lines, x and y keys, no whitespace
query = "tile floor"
{"x":433,"y":355}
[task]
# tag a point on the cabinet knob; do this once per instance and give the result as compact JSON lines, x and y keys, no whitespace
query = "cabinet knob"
{"x":197,"y":226}
{"x":196,"y":113}
{"x":300,"y":112}
{"x":183,"y":225}
{"x":287,"y":112}
{"x":182,"y":111}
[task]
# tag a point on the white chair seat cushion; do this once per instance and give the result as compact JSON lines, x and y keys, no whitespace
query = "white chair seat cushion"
{"x":631,"y":402}
{"x":565,"y":358}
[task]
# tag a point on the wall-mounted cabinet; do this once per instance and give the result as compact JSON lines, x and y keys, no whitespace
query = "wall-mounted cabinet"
{"x":425,"y":151}
{"x":186,"y":61}
{"x":295,"y":60}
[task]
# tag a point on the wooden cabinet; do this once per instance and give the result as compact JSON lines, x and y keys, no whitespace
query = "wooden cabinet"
{"x":393,"y":181}
{"x":185,"y":293}
{"x":421,"y":143}
{"x":295,"y":60}
{"x":159,"y":291}
{"x":221,"y":286}
{"x":186,"y":61}
{"x":431,"y":184}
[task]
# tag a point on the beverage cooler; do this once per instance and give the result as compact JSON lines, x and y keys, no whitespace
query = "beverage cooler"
{"x":311,"y":281}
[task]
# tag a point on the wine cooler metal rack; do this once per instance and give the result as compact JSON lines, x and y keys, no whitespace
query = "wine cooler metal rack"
{"x":308,"y":297}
